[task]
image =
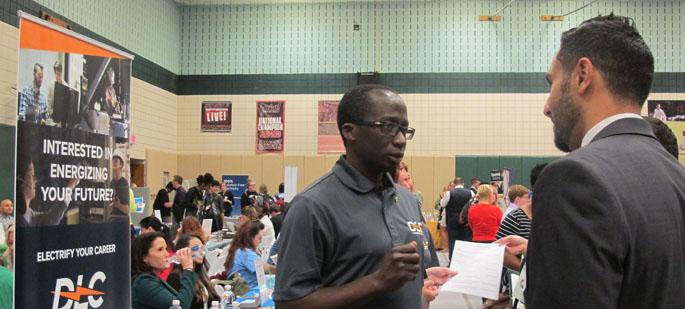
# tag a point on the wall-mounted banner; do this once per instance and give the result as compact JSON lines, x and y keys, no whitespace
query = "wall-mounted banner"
{"x":216,"y":117}
{"x":672,"y":112}
{"x":270,"y":126}
{"x":72,"y":170}
{"x":329,"y":135}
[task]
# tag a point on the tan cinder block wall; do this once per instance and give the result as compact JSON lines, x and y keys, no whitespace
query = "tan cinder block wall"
{"x":9,"y":44}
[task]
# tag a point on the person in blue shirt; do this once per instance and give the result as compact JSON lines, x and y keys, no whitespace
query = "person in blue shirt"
{"x":244,"y":252}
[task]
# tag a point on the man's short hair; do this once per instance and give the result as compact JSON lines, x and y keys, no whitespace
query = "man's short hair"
{"x":57,"y":67}
{"x":207,"y":178}
{"x":475,"y":181}
{"x":664,"y":135}
{"x":216,"y":183}
{"x":281,"y":188}
{"x":121,"y":160}
{"x":37,"y":65}
{"x":616,"y":49}
{"x":535,"y":172}
{"x":355,"y":104}
{"x":178,"y":179}
{"x":458,"y":181}
{"x":517,"y":191}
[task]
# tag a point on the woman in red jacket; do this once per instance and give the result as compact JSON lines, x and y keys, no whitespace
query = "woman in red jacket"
{"x":484,"y":217}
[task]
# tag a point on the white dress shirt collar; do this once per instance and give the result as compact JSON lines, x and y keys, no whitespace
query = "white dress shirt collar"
{"x":603,"y":124}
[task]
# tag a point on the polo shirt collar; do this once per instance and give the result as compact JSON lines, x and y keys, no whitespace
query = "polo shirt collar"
{"x":355,"y":180}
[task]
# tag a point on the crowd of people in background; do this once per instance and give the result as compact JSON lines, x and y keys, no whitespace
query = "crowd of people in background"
{"x":180,"y":234}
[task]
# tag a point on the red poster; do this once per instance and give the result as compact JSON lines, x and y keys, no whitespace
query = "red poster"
{"x":216,"y":117}
{"x":329,"y":135}
{"x":270,"y":126}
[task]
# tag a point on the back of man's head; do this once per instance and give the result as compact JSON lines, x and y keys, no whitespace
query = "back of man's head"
{"x":355,"y":104}
{"x":616,"y":49}
{"x":517,"y":191}
{"x":664,"y":135}
{"x":458,"y":181}
{"x":535,"y":172}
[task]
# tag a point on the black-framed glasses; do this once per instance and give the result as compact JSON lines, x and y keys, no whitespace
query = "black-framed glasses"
{"x":389,"y":128}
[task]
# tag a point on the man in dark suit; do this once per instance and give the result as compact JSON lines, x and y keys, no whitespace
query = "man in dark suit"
{"x":608,"y":228}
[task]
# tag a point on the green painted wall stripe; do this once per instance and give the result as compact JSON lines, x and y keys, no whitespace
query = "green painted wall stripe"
{"x":401,"y":82}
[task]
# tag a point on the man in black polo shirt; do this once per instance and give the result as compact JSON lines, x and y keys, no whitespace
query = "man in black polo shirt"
{"x":350,"y":239}
{"x":162,"y":202}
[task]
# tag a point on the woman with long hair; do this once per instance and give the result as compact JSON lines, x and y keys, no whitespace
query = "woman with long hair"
{"x":152,"y":225}
{"x":204,"y":291}
{"x":244,"y":252}
{"x":149,"y":258}
{"x":191,"y":225}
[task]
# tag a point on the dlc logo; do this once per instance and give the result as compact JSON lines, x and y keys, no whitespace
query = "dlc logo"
{"x":73,"y":294}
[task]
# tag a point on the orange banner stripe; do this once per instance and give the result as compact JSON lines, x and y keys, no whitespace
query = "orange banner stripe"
{"x":35,"y":36}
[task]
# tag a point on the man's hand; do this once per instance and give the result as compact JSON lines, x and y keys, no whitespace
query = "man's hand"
{"x":168,"y":204}
{"x":429,"y":291}
{"x":400,"y":265}
{"x":515,"y":244}
{"x":440,"y":275}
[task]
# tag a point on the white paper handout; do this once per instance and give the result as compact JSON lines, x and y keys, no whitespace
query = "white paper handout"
{"x":480,"y":269}
{"x":264,"y":291}
{"x":207,"y":226}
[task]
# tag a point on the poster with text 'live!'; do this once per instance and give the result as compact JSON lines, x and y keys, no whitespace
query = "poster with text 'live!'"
{"x":72,"y":170}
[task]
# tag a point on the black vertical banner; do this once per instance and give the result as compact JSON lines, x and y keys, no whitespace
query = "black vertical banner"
{"x":270,"y":126}
{"x":72,"y":196}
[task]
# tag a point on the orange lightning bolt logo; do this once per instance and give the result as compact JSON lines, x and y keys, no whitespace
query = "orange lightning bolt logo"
{"x":80,"y":291}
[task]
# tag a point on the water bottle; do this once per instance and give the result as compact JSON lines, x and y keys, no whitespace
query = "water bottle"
{"x":196,"y":252}
{"x":215,"y":305}
{"x":227,"y":297}
{"x":175,"y":304}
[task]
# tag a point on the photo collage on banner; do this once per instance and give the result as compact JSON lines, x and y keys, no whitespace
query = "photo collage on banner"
{"x":216,"y":117}
{"x":72,"y":171}
{"x":329,"y":139}
{"x":270,"y":126}
{"x":672,"y":113}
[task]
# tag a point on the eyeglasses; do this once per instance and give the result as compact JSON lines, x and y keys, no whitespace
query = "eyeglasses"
{"x":389,"y":128}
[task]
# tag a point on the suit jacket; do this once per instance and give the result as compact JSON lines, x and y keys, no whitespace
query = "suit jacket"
{"x":458,"y":198}
{"x":608,"y":225}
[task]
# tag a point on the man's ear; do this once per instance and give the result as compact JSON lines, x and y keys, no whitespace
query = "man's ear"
{"x":350,"y":131}
{"x":584,"y":75}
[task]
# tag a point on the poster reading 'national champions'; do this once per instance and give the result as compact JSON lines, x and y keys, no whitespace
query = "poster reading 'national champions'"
{"x":270,"y":126}
{"x":72,"y":171}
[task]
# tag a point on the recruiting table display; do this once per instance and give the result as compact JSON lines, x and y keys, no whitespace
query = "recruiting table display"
{"x":236,"y":184}
{"x":672,"y":113}
{"x":72,"y":170}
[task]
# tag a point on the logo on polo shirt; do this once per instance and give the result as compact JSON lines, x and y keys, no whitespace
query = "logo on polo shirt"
{"x":415,"y":227}
{"x":74,"y":293}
